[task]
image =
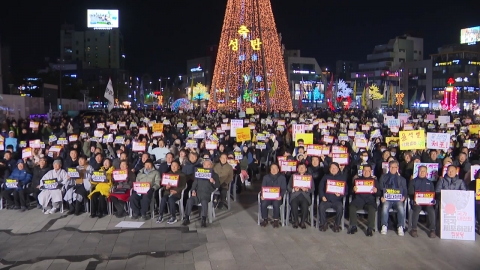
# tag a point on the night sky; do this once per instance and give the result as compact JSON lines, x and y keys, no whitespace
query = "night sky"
{"x":161,"y":35}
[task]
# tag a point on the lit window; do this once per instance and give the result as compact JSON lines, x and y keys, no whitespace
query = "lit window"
{"x":88,"y":48}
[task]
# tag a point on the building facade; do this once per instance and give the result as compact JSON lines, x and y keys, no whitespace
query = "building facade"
{"x":199,"y":73}
{"x":462,"y":63}
{"x":306,"y":79}
{"x":416,"y":83}
{"x":344,"y":69}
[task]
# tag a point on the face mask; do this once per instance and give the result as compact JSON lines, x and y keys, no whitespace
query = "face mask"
{"x":118,"y":155}
{"x":364,"y":158}
{"x":155,"y":141}
{"x":393,"y":154}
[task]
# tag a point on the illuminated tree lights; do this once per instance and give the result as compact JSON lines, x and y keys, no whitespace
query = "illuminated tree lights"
{"x":374,"y":92}
{"x":450,"y":97}
{"x":399,"y":97}
{"x":200,"y":92}
{"x":249,"y":71}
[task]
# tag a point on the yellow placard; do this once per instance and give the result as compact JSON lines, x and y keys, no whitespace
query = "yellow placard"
{"x":477,"y":189}
{"x":307,"y":138}
{"x":157,"y":127}
{"x":474,"y":129}
{"x":412,"y":139}
{"x":391,"y":139}
{"x":250,"y":111}
{"x":243,"y":134}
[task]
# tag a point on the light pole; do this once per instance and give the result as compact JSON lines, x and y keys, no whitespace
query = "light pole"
{"x":60,"y":68}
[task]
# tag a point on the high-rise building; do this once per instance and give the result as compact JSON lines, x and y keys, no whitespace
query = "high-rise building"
{"x":344,"y":69}
{"x":249,"y":70}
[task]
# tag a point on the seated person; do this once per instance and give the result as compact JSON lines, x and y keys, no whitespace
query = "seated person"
{"x":101,"y":191}
{"x":421,"y":184}
{"x":121,"y":190}
{"x":300,"y":197}
{"x":396,"y":183}
{"x":273,"y":179}
{"x":451,"y":181}
{"x":76,"y":195}
{"x":172,"y":194}
{"x":225,"y":175}
{"x":22,"y":177}
{"x":140,"y":203}
{"x":53,"y":192}
{"x":329,"y":200}
{"x":364,"y":201}
{"x":201,"y":191}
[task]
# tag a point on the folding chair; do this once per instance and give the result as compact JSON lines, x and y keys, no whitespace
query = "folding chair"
{"x":217,"y":193}
{"x":391,"y":211}
{"x":179,"y":202}
{"x":310,"y":208}
{"x":364,"y":212}
{"x":270,"y":207}
{"x":233,"y":190}
{"x":152,"y":204}
{"x":211,"y":210}
{"x":331,"y":210}
{"x":410,"y":212}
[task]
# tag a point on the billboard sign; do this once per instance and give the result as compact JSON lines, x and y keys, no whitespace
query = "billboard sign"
{"x":102,"y":18}
{"x":470,"y":35}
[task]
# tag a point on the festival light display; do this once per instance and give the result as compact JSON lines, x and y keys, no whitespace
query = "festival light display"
{"x":249,"y":71}
{"x":450,"y":97}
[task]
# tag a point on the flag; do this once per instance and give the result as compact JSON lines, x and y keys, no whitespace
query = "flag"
{"x":272,"y":89}
{"x":422,"y":98}
{"x":191,"y":90}
{"x":364,"y":98}
{"x":390,"y":96}
{"x":109,"y":95}
{"x":385,"y":89}
{"x":414,"y":98}
{"x":142,"y":94}
{"x":300,"y":98}
{"x":355,"y":90}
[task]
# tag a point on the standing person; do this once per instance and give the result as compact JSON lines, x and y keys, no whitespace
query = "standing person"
{"x":392,"y":181}
{"x":225,"y":175}
{"x":201,"y":190}
{"x":421,"y":184}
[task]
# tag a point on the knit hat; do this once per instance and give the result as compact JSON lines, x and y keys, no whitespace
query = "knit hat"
{"x":20,"y":161}
{"x":57,"y":161}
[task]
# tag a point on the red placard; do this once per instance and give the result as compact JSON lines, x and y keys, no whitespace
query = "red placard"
{"x":364,"y":186}
{"x":424,"y":198}
{"x":335,"y":186}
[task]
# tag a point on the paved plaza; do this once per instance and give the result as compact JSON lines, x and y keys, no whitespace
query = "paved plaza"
{"x":32,"y":240}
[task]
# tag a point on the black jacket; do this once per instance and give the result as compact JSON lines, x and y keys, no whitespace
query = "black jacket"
{"x":277,"y":180}
{"x":204,"y":188}
{"x":307,"y":195}
{"x":323,"y":187}
{"x":38,"y":173}
{"x":360,"y":200}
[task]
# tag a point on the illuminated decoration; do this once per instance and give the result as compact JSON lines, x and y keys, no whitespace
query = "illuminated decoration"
{"x":197,"y":69}
{"x":450,"y":97}
{"x":263,"y":57}
{"x":160,"y":100}
{"x":200,"y":92}
{"x":470,"y":35}
{"x":343,"y":91}
{"x":374,"y":92}
{"x":241,"y":57}
{"x":243,"y":31}
{"x":256,"y":44}
{"x":233,"y":44}
{"x":181,"y":104}
{"x":399,"y":97}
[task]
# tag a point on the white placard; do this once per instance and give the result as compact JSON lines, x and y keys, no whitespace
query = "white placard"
{"x":457,"y":215}
{"x":234,"y":124}
{"x":438,"y":140}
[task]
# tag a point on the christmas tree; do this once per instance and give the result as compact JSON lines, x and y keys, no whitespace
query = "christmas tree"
{"x":249,"y":71}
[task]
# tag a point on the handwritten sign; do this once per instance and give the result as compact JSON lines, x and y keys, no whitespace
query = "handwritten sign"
{"x":364,"y":186}
{"x":243,"y":134}
{"x":335,"y":186}
{"x":141,"y":187}
{"x":170,"y":179}
{"x":412,"y":140}
{"x":302,"y":181}
{"x":424,"y":198}
{"x":234,"y":125}
{"x":201,"y":173}
{"x":432,"y":170}
{"x":120,"y":175}
{"x":438,"y":141}
{"x":270,"y":193}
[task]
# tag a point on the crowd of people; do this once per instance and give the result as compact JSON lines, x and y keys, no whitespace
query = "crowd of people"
{"x":136,"y":161}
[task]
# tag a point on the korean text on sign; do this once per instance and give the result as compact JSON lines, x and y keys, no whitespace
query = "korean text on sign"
{"x":170,"y":179}
{"x":302,"y":181}
{"x":412,"y":140}
{"x":288,"y":166}
{"x":141,"y":187}
{"x":334,"y":186}
{"x":11,"y":183}
{"x":99,"y":177}
{"x":120,"y":175}
{"x":438,"y":140}
{"x":50,"y":184}
{"x":364,"y":186}
{"x":432,"y":170}
{"x":425,"y":198}
{"x":201,"y":173}
{"x":270,"y":193}
{"x":393,"y":195}
{"x":73,"y":173}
